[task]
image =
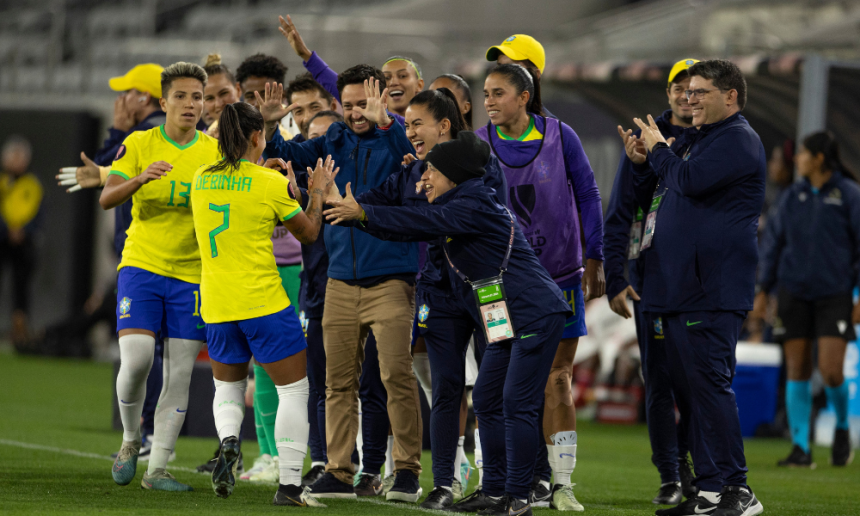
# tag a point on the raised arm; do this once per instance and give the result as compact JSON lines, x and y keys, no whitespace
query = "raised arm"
{"x":305,"y":225}
{"x":311,"y":61}
{"x":119,"y":188}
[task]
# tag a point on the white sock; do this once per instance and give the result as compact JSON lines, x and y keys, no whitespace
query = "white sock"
{"x":359,"y":440}
{"x":229,"y":407}
{"x":291,"y":430}
{"x":461,"y":457}
{"x":179,"y":357}
{"x":421,"y":366}
{"x":711,"y":496}
{"x":563,"y":462}
{"x":479,"y":458}
{"x":136,"y":354}
{"x":317,"y":463}
{"x":389,"y":457}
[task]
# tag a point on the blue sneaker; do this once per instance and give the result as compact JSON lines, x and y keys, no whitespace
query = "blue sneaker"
{"x":125,"y":464}
{"x":328,"y":486}
{"x":406,"y":488}
{"x":224,"y":474}
{"x":161,"y":480}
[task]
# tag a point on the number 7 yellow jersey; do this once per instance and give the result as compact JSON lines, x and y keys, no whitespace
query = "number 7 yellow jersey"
{"x":161,"y":236}
{"x":235,"y":212}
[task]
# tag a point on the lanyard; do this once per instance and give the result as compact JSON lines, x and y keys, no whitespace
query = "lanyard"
{"x":504,"y":266}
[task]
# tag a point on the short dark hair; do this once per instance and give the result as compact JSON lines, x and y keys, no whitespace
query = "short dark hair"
{"x":181,"y":70}
{"x":683,"y":75}
{"x":306,"y":82}
{"x":261,"y":65}
{"x":725,"y":76}
{"x":358,"y":74}
{"x":327,"y":113}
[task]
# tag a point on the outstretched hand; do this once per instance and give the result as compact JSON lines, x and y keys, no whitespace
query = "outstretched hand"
{"x":347,"y":209}
{"x":377,"y":103}
{"x":271,"y":103}
{"x":321,"y":178}
{"x":650,"y":132}
{"x":77,"y":178}
{"x":289,"y":30}
{"x":633,"y":146}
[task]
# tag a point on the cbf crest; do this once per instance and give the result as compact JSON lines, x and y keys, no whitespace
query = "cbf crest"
{"x":423,"y":313}
{"x":124,"y":308}
{"x":658,"y":326}
{"x":304,"y":320}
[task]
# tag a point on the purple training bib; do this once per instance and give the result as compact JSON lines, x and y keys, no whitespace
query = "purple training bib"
{"x":541,"y":196}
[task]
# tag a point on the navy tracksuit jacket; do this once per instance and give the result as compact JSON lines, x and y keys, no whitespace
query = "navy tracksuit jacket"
{"x":475,"y":228}
{"x":699,"y":279}
{"x":812,"y":244}
{"x":445,"y":325}
{"x":668,"y":440}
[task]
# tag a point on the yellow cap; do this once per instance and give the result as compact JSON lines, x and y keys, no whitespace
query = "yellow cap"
{"x":679,"y":67}
{"x":144,"y":77}
{"x":520,"y":47}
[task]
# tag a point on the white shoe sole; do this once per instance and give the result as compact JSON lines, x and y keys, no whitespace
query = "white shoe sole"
{"x":333,"y":495}
{"x":399,"y":496}
{"x":757,"y":508}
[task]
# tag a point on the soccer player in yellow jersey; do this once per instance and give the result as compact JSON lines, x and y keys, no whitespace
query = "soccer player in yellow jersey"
{"x":236,"y":205}
{"x":159,"y":274}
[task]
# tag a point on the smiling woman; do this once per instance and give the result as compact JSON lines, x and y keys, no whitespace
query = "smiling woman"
{"x":219,"y":91}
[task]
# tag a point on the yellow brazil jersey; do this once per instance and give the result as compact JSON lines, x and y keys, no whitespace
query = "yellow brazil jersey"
{"x":20,"y":199}
{"x":161,"y":237}
{"x":235,"y":212}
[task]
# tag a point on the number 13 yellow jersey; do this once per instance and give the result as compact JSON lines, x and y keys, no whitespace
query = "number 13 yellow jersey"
{"x":235,"y":212}
{"x":161,"y":236}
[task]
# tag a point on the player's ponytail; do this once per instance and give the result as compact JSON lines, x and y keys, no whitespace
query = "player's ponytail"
{"x":235,"y":126}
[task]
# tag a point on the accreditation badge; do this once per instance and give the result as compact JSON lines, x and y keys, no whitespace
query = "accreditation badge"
{"x":493,"y":307}
{"x":633,"y":247}
{"x":651,"y":219}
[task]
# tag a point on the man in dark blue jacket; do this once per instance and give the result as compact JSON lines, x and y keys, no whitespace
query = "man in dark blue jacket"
{"x":700,"y":256}
{"x":622,"y":234}
{"x":371,"y":286}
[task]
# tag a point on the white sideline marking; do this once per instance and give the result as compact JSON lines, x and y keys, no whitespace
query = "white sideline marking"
{"x":66,"y":451}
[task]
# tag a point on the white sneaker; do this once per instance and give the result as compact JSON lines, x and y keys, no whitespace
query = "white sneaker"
{"x":260,"y":463}
{"x":271,"y":473}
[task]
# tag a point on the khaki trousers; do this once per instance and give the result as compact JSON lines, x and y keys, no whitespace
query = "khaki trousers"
{"x":350,"y":312}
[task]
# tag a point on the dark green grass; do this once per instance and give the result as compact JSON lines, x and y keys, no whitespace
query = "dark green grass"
{"x":66,"y":404}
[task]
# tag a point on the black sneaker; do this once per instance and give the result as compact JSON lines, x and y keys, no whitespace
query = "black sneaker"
{"x":841,"y":454}
{"x":691,"y":507}
{"x":209,"y":466}
{"x":406,"y":488}
{"x":439,"y":498}
{"x":368,"y":485}
{"x":685,"y":470}
{"x":541,"y":495}
{"x":313,"y":475}
{"x":738,"y":501}
{"x":669,"y":494}
{"x":477,"y":501}
{"x":224,"y":472}
{"x":295,"y":496}
{"x":508,"y":506}
{"x":797,"y":459}
{"x":328,"y":486}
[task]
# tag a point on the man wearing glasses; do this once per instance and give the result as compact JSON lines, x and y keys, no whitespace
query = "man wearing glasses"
{"x":700,"y":254}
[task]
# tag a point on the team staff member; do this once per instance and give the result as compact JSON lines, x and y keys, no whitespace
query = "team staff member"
{"x":550,"y":182}
{"x":159,"y":275}
{"x":236,"y":204}
{"x":480,"y":239}
{"x":402,"y":74}
{"x":370,"y":286}
{"x":699,"y":280}
{"x":443,"y":324}
{"x":252,"y":75}
{"x":623,"y":232}
{"x":820,"y":217}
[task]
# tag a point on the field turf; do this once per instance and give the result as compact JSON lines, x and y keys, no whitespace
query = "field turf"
{"x":56,"y":439}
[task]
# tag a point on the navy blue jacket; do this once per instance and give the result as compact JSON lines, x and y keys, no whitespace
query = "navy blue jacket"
{"x":704,"y":255}
{"x":476,"y":229}
{"x":811,"y":245}
{"x":399,"y":190}
{"x":104,"y":157}
{"x":619,"y":217}
{"x":366,"y":162}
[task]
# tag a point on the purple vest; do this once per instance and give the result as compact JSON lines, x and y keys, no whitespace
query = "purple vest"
{"x":541,"y":196}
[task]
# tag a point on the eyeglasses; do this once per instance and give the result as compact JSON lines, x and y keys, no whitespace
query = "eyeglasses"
{"x":700,"y":93}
